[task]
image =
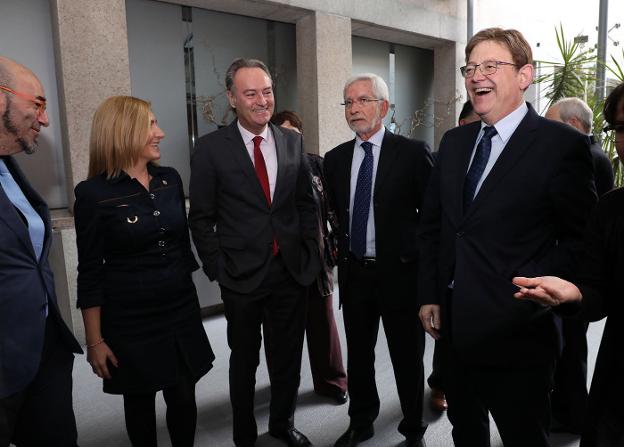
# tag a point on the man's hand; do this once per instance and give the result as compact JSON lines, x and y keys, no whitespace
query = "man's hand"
{"x":430,"y":317}
{"x":547,"y":290}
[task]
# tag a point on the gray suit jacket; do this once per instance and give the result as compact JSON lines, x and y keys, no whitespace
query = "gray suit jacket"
{"x":233,"y":226}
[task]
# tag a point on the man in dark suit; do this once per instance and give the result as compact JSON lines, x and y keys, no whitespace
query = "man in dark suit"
{"x":440,"y":367}
{"x":253,"y":220}
{"x":36,"y":347}
{"x":509,"y":195}
{"x":569,"y":396}
{"x":376,"y":183}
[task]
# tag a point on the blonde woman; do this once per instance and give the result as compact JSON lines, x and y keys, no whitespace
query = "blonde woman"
{"x":140,"y":309}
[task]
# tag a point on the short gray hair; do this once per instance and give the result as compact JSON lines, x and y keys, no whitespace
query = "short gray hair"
{"x":380,"y":88}
{"x":576,"y":108}
{"x":239,"y":63}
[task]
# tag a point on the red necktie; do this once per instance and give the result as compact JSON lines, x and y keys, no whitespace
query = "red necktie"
{"x":263,"y":177}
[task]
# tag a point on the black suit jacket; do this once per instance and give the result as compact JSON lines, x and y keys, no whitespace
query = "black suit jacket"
{"x":527,"y":219}
{"x":603,"y":170}
{"x":402,"y":174}
{"x":24,"y":285}
{"x":232,"y":225}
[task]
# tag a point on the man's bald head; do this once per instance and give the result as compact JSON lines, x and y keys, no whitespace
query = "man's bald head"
{"x":22,"y":108}
{"x":572,"y":111}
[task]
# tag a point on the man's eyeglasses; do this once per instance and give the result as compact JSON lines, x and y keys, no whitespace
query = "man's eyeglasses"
{"x":38,"y":101}
{"x":485,"y":67}
{"x":362,"y":102}
{"x":617,"y":127}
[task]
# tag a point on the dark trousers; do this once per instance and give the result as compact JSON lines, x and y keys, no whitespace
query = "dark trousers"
{"x":280,"y":303}
{"x":140,"y":415}
{"x":42,"y":414}
{"x":328,"y":374}
{"x":569,"y":396}
{"x":440,"y":370}
{"x":517,"y":397}
{"x":363,"y":307}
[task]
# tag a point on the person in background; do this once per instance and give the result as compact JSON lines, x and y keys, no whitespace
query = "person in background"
{"x":253,"y":220}
{"x":376,"y":183}
{"x":36,"y":346}
{"x":569,"y":396}
{"x":597,"y":293}
{"x":467,"y":114}
{"x":509,"y":194}
{"x":139,"y":304}
{"x":440,"y":370}
{"x":576,"y":113}
{"x":328,"y":374}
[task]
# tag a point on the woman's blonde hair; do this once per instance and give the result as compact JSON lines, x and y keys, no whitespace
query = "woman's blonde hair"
{"x":119,"y":133}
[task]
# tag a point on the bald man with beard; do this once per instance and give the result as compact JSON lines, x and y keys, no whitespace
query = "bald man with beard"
{"x":36,"y":347}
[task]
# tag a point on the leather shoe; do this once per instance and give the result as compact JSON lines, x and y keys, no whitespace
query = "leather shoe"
{"x":353,"y":436}
{"x":292,"y":437}
{"x":438,"y":400}
{"x":338,"y":396}
{"x":415,"y":443}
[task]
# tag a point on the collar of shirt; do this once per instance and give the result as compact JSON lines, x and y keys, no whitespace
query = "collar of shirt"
{"x":376,"y":139}
{"x":249,"y":136}
{"x":508,"y":125}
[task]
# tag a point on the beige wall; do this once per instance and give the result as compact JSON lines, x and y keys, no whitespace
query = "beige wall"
{"x":91,"y":49}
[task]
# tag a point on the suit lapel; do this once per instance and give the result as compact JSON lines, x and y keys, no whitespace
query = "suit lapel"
{"x":345,"y":175}
{"x":387,"y":155}
{"x":9,"y":214}
{"x":457,"y":170}
{"x":240,"y":154}
{"x":282,"y":150}
{"x":520,"y":140}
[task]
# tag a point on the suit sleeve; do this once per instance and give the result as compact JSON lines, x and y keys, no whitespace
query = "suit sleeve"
{"x":429,"y":238}
{"x":572,"y":196}
{"x":598,"y":267}
{"x":89,"y":241}
{"x":203,"y":210}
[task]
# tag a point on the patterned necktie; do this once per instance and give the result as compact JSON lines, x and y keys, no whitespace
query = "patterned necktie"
{"x":361,"y":202}
{"x":263,"y":177}
{"x":36,"y":228}
{"x":479,"y":162}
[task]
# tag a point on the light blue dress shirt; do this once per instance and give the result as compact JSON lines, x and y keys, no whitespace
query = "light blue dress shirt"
{"x":505,"y":129}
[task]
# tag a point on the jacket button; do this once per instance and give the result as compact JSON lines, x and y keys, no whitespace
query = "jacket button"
{"x":161,"y":243}
{"x":459,"y":234}
{"x":152,"y":195}
{"x":156,"y":213}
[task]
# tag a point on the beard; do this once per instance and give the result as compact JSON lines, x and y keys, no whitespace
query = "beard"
{"x":11,"y":129}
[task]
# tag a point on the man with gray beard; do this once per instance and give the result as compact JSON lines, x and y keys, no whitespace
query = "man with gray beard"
{"x":376,"y":183}
{"x":36,"y":347}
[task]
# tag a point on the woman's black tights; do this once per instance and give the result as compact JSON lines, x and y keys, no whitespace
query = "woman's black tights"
{"x":140,"y":412}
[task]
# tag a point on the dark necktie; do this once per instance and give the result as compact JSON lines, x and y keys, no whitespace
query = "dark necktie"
{"x":263,"y":177}
{"x":479,"y":162}
{"x":361,"y":202}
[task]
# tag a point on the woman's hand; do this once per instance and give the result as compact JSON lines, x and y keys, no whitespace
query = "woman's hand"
{"x":547,"y":290}
{"x":97,"y":356}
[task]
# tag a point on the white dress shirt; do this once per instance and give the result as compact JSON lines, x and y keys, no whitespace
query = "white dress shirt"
{"x":358,"y":157}
{"x":267,"y":147}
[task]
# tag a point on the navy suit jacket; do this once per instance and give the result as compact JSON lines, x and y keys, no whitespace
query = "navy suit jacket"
{"x":527,"y":219}
{"x":402,"y":175}
{"x":24,"y":285}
